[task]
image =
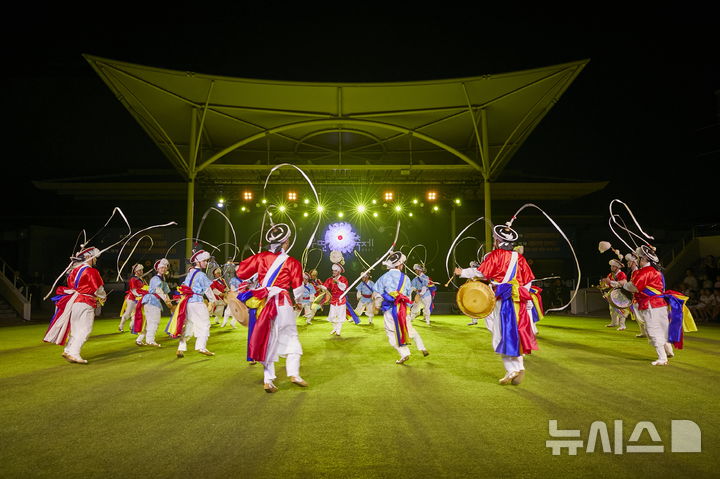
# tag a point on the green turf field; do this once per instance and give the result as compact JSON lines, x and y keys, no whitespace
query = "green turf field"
{"x":140,"y":412}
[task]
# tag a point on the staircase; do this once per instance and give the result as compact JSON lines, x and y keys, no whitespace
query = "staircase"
{"x":7,"y":311}
{"x":15,"y":296}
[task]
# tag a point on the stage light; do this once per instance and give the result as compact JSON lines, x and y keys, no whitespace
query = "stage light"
{"x":282,"y":208}
{"x":220,"y":204}
{"x":305,"y":214}
{"x":436,"y":208}
{"x":374,"y":202}
{"x":431,"y":195}
{"x":320,"y":208}
{"x":247,"y":195}
{"x":306,"y":201}
{"x":264,"y":201}
{"x":410,"y":214}
{"x":292,"y":196}
{"x":361,"y":209}
{"x":398,"y":208}
{"x":340,"y":214}
{"x":389,"y":196}
{"x":458,"y":201}
{"x":415,"y":201}
{"x":243,"y":209}
{"x":375,"y":214}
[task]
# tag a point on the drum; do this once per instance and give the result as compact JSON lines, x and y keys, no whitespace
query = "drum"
{"x":238,"y":310}
{"x":620,"y":298}
{"x":475,"y":299}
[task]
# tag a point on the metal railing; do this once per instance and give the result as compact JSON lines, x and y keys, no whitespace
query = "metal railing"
{"x":14,"y":278}
{"x":696,"y":231}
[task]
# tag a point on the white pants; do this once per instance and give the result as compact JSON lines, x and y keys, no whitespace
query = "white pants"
{"x":513,"y":363}
{"x":657,"y":324}
{"x":392,"y":337}
{"x":218,"y":310}
{"x":82,"y":317}
{"x":152,"y":322}
{"x":617,"y":318}
{"x":337,"y":316}
{"x":423,"y":304}
{"x":308,"y":312}
{"x":226,"y":315}
{"x":129,"y":313}
{"x":198,"y":325}
{"x":366,"y":307}
{"x":283,"y":342}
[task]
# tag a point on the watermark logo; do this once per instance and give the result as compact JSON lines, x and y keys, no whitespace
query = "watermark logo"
{"x":685,"y":436}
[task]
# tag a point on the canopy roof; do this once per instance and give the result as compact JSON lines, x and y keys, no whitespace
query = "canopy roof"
{"x":233,"y":129}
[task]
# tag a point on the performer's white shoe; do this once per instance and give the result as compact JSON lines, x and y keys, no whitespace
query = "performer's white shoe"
{"x":640,"y":336}
{"x":509,"y":376}
{"x":205,"y":352}
{"x":659,"y":363}
{"x":154,"y":345}
{"x":621,"y":328}
{"x":518,"y":379}
{"x":74,"y":359}
{"x":402,"y":359}
{"x":609,"y":325}
{"x":180,"y":354}
{"x":139,"y":343}
{"x":270,"y":387}
{"x":299,"y":381}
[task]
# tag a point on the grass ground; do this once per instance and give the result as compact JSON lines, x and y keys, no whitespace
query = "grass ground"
{"x":140,"y":412}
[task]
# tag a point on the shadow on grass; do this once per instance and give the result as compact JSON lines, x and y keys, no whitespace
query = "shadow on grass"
{"x":587,"y":348}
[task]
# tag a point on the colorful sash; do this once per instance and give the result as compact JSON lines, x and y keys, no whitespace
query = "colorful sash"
{"x":538,"y":311}
{"x":259,"y":335}
{"x":138,"y":323}
{"x":681,"y":320}
{"x":397,"y":303}
{"x":176,"y":325}
{"x":350,"y":313}
{"x":253,"y":304}
{"x":516,"y":336}
{"x":433,"y":289}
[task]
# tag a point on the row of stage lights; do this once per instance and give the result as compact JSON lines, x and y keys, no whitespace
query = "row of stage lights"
{"x":360,"y":209}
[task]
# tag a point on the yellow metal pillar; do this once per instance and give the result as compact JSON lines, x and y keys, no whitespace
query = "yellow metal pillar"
{"x":485,"y":153}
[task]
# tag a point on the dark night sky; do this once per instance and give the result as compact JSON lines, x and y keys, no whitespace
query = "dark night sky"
{"x":635,"y":115}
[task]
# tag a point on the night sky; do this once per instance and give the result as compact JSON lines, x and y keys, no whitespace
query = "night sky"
{"x":641,"y":114}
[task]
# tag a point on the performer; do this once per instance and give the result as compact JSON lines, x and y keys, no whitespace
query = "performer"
{"x":191,"y":317}
{"x":617,"y":315}
{"x":424,"y":297}
{"x":648,"y":287}
{"x":509,"y":322}
{"x":152,"y":307}
{"x":135,"y":283}
{"x":306,"y":299}
{"x":366,"y":301}
{"x":75,"y":306}
{"x":275,"y":331}
{"x":336,"y":285}
{"x":219,"y":287}
{"x":234,"y":290}
{"x":632,"y":263}
{"x":394,"y":287}
{"x":322,"y":297}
